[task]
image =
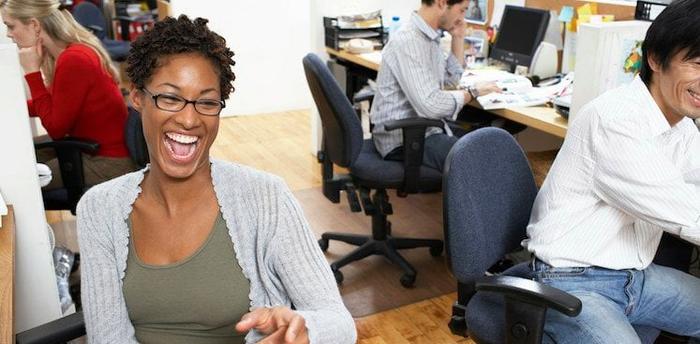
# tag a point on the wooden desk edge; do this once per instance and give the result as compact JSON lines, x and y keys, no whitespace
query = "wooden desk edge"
{"x":357,"y":59}
{"x":556,"y":126}
{"x":7,"y":275}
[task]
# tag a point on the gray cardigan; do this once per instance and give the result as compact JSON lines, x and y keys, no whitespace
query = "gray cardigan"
{"x":273,"y":244}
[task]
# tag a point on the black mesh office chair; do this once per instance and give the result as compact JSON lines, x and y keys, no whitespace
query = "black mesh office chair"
{"x":69,"y":152}
{"x":344,"y":146}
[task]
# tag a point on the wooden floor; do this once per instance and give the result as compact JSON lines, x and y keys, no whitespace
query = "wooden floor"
{"x":280,"y":144}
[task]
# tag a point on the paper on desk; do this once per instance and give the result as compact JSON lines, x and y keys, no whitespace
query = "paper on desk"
{"x":499,"y":6}
{"x":518,"y":90}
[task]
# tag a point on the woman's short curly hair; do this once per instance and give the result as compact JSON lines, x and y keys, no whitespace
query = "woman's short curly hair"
{"x":176,"y":36}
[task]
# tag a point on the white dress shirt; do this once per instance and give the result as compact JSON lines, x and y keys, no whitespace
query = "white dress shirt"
{"x":411,"y":80}
{"x":622,"y":178}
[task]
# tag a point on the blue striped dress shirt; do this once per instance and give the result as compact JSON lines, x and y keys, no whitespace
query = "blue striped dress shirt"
{"x":411,"y":82}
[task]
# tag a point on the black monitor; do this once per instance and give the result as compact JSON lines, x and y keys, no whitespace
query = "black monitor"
{"x":520,"y":33}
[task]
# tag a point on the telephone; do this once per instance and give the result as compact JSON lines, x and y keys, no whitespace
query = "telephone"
{"x":360,"y":46}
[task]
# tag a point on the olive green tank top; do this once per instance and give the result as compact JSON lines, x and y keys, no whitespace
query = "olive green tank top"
{"x":196,"y":300}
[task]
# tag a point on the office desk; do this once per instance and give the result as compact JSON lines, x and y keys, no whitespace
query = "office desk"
{"x":7,"y":273}
{"x":539,"y":117}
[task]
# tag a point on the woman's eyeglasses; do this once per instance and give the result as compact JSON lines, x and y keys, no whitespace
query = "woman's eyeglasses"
{"x":173,"y":103}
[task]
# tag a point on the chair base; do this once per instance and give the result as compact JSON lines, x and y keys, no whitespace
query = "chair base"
{"x":387,"y":247}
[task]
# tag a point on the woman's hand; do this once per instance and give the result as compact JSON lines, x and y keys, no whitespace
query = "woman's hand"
{"x":32,"y":57}
{"x":279,"y":324}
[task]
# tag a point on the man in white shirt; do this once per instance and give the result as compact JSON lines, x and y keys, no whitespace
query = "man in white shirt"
{"x":629,"y":170}
{"x":415,"y":76}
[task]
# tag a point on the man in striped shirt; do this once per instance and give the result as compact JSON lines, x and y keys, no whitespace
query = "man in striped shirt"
{"x":414,"y":76}
{"x":629,"y":170}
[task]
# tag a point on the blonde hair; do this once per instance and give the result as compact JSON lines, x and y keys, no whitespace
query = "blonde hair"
{"x":60,"y":25}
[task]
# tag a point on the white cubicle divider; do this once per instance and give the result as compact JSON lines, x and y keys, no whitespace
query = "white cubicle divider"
{"x":608,"y":55}
{"x":36,"y":294}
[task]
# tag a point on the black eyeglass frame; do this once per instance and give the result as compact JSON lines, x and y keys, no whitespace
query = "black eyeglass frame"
{"x":185,"y":101}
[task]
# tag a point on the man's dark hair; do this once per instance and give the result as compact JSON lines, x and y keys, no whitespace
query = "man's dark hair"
{"x":677,"y":28}
{"x":176,"y":36}
{"x":449,"y":2}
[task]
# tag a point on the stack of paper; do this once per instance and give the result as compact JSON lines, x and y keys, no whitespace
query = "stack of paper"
{"x":361,"y":21}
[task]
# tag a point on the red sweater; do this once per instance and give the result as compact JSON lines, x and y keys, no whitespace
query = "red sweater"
{"x":83,"y":101}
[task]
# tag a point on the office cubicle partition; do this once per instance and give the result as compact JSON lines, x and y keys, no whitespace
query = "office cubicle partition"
{"x":36,"y":294}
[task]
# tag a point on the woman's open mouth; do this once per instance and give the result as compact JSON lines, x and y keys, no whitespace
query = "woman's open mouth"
{"x":180,"y":146}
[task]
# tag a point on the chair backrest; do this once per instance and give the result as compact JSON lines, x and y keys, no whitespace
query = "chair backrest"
{"x":488,"y":191}
{"x":135,"y":141}
{"x":91,"y":17}
{"x":342,"y":131}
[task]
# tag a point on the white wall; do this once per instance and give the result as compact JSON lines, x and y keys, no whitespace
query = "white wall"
{"x":3,"y":34}
{"x":269,"y":39}
{"x":36,"y":295}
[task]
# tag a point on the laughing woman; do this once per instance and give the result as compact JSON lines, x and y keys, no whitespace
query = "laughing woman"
{"x":191,"y":249}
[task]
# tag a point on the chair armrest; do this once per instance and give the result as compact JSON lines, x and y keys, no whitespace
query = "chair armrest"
{"x":57,"y":331}
{"x":532,"y":292}
{"x":70,"y":143}
{"x":413,"y":141}
{"x":413,"y":123}
{"x":363,"y":96}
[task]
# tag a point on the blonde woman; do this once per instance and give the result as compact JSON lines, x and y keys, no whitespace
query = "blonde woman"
{"x":74,"y":87}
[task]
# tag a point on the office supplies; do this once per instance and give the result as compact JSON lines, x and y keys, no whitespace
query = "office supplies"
{"x":562,"y":105}
{"x":521,"y":31}
{"x":649,"y":9}
{"x":339,"y":31}
{"x":359,"y":46}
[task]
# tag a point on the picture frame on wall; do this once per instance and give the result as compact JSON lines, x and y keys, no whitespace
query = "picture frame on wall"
{"x":477,"y":11}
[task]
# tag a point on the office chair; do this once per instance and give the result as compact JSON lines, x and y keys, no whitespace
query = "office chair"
{"x":92,"y":18}
{"x":344,"y":146}
{"x":69,"y":152}
{"x":488,"y":191}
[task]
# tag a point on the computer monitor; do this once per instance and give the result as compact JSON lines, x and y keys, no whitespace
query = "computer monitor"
{"x":520,"y":33}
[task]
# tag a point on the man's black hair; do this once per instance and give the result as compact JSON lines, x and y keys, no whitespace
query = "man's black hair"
{"x":675,"y":30}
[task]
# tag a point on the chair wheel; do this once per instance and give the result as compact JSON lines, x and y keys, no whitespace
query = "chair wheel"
{"x":338,"y":275}
{"x":323,"y":243}
{"x":436,"y":251}
{"x":407,"y":281}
